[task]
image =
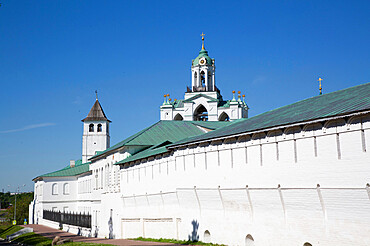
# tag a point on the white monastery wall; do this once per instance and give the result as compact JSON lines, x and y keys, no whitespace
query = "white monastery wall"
{"x":259,"y":188}
{"x":264,"y":185}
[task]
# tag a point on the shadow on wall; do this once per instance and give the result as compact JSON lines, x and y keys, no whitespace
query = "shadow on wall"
{"x":194,"y":234}
{"x":110,"y":225}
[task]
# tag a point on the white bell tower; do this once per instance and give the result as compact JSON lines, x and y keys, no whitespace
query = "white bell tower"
{"x":203,"y":72}
{"x":95,"y":132}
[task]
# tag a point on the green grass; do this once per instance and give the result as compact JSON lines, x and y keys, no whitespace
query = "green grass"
{"x":183,"y":242}
{"x":8,"y":230}
{"x":38,"y":240}
{"x":33,"y":239}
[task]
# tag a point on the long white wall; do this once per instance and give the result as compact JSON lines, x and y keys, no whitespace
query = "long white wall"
{"x":332,"y":154}
{"x":259,"y":188}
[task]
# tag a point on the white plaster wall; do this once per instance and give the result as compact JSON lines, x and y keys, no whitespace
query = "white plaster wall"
{"x":94,"y":141}
{"x":156,"y":198}
{"x":296,"y":213}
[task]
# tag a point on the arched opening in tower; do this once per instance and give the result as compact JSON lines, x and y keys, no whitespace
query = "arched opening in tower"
{"x":224,"y":117}
{"x":178,"y":117}
{"x":203,"y":79}
{"x":201,"y":114}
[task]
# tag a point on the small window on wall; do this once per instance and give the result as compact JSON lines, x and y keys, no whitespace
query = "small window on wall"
{"x":55,"y":189}
{"x":91,"y":128}
{"x":99,"y":128}
{"x":66,"y":189}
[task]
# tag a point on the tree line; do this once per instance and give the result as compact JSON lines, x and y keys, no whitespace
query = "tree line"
{"x":7,"y":202}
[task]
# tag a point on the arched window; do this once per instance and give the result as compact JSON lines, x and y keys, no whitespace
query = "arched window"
{"x":202,"y":78}
{"x":99,"y":128}
{"x":195,"y":76}
{"x":224,"y":117}
{"x":178,"y":117}
{"x":249,"y":241}
{"x":66,"y":189}
{"x":307,"y":244}
{"x":91,"y":128}
{"x":207,"y":237}
{"x":54,"y":189}
{"x":201,"y":114}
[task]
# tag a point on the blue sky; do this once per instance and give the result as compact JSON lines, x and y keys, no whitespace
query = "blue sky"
{"x":55,"y":54}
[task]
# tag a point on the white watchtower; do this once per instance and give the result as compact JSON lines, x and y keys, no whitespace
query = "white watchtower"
{"x":95,"y":132}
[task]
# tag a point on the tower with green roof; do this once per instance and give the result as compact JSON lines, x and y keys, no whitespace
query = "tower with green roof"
{"x":203,"y":72}
{"x":203,"y":100}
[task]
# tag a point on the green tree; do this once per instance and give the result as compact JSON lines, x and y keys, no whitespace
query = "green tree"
{"x":23,"y":202}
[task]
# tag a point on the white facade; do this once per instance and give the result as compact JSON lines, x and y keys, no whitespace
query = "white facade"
{"x":287,"y":186}
{"x":95,"y":138}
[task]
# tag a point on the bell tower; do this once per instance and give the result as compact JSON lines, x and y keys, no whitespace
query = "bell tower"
{"x":203,"y":72}
{"x":203,"y":100}
{"x":95,"y":132}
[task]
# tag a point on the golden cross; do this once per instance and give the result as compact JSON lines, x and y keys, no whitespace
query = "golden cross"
{"x":202,"y":40}
{"x":320,"y":79}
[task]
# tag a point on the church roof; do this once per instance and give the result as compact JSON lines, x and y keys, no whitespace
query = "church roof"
{"x":96,"y":113}
{"x":79,"y":168}
{"x":202,"y":53}
{"x":162,"y":131}
{"x":350,"y":100}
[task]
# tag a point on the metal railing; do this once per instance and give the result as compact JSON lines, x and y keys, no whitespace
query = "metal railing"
{"x":70,"y":218}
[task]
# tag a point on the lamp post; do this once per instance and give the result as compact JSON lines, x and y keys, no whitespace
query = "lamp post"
{"x":15,"y":202}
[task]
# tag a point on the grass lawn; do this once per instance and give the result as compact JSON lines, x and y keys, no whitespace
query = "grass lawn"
{"x":163,"y":240}
{"x":33,"y":239}
{"x":8,"y":230}
{"x":38,"y":240}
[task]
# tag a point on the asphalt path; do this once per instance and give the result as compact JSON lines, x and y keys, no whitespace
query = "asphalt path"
{"x":52,"y":233}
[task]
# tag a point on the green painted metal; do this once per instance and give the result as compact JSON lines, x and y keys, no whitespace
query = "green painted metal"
{"x":161,"y":131}
{"x":337,"y":103}
{"x":79,"y":168}
{"x":202,"y":53}
{"x":153,"y":151}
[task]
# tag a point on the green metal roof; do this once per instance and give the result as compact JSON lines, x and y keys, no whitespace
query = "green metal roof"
{"x":162,"y":147}
{"x":341,"y":102}
{"x":202,"y":53}
{"x":153,"y":151}
{"x":79,"y":168}
{"x":161,"y":131}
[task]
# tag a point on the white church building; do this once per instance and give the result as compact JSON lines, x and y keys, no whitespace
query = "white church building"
{"x":296,"y":175}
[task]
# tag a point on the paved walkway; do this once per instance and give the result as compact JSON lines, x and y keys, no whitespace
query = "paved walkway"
{"x":52,"y":233}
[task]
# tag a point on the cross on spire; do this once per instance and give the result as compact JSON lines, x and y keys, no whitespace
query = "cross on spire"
{"x":96,"y":94}
{"x":202,"y":40}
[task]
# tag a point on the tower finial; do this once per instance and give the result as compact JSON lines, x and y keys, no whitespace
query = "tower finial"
{"x":96,"y":94}
{"x":202,"y":40}
{"x":320,"y":79}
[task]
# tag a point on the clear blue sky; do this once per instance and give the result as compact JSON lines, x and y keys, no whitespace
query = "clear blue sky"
{"x":55,"y":54}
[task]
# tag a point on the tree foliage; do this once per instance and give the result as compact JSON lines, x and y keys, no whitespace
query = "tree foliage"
{"x":23,"y":202}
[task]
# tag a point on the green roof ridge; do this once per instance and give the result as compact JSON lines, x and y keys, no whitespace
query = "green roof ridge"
{"x":339,"y":102}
